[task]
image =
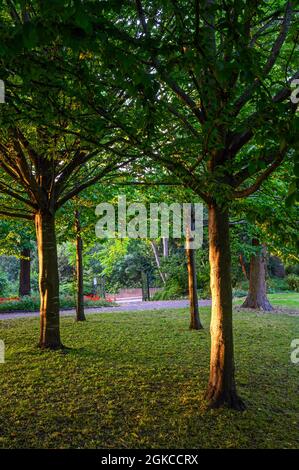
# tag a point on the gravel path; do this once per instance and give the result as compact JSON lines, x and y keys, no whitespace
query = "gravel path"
{"x":125,"y":307}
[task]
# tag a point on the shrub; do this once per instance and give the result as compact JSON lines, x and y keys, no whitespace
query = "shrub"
{"x":292,"y":269}
{"x":241,"y":285}
{"x":293,"y":282}
{"x":277,"y":285}
{"x":3,"y":283}
{"x":26,"y":303}
{"x":67,"y":289}
{"x":274,"y":284}
{"x":239,"y":293}
{"x":204,"y":292}
{"x":170,"y":292}
{"x":31,"y":304}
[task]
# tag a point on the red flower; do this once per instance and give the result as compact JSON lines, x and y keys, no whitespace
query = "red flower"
{"x":92,"y":297}
{"x":8,"y":299}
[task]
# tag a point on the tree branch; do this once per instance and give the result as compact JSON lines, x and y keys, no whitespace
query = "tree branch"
{"x":18,"y":215}
{"x":5,"y":189}
{"x":75,"y":191}
{"x":251,"y":189}
{"x":276,"y":48}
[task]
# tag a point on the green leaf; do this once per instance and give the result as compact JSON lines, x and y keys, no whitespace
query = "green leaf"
{"x":30,"y":35}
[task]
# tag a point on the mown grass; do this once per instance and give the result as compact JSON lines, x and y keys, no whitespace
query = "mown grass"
{"x":285,"y":299}
{"x":281,"y":299}
{"x":136,"y":380}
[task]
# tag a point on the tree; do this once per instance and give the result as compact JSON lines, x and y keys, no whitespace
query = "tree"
{"x":219,"y":92}
{"x":48,"y":152}
{"x":212,"y":82}
{"x":270,"y":226}
{"x":257,"y":295}
{"x":42,"y":183}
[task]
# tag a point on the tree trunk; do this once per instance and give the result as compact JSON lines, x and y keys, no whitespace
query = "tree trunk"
{"x":243,"y":267}
{"x":48,"y":281}
{"x":221,"y":388}
{"x":24,"y":286}
{"x":80,"y":316}
{"x":157,"y":259}
{"x":165,"y":242}
{"x":257,"y":295}
{"x":195,"y":323}
{"x":145,"y":286}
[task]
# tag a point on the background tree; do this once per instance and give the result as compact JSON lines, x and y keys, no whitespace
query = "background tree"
{"x":269,"y":223}
{"x":257,"y":296}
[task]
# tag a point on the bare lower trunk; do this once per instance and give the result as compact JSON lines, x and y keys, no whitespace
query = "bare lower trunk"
{"x":145,"y":286}
{"x":195,"y":323}
{"x":80,"y":316}
{"x":221,"y":388}
{"x":48,"y":281}
{"x":24,"y":286}
{"x":257,"y":295}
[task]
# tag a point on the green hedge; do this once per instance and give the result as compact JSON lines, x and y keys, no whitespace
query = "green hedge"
{"x":293,"y":282}
{"x":31,"y":304}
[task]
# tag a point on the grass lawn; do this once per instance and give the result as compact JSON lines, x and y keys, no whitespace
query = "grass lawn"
{"x":136,"y":380}
{"x":281,"y":299}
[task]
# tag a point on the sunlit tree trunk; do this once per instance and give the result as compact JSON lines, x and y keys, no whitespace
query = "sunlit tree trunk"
{"x":48,"y":280}
{"x":80,"y":316}
{"x":257,"y":295}
{"x":221,"y":388}
{"x":24,"y":285}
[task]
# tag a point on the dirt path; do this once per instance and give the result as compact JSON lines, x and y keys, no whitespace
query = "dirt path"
{"x":124,"y":307}
{"x":141,"y":306}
